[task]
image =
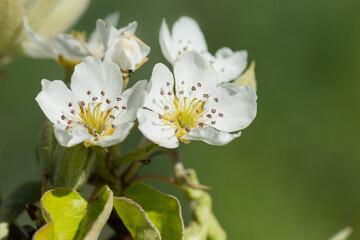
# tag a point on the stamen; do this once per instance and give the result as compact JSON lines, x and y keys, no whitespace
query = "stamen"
{"x":67,"y":128}
{"x":167,"y":84}
{"x":117,"y":107}
{"x":201,"y":124}
{"x":82,"y":103}
{"x":62,"y":117}
{"x":88,"y":92}
{"x":213,"y":110}
{"x":193,"y":88}
{"x":169,"y":93}
{"x":216,"y":100}
{"x":112,"y":116}
{"x":102,"y":93}
{"x":69,"y":122}
{"x":72,"y":111}
{"x":221,"y":115}
{"x":94,"y":98}
{"x":113,"y":126}
{"x":181,"y":92}
{"x":209,"y":115}
{"x":188,"y":129}
{"x":184,"y":49}
{"x":206,"y":95}
{"x":166,"y":107}
{"x":70,"y":104}
{"x":162,"y":92}
{"x":182,"y":82}
{"x":176,"y":130}
{"x":213,"y":122}
{"x":199,"y":84}
{"x":108,"y":101}
{"x":123,"y":107}
{"x":119,"y":99}
{"x":160,"y":116}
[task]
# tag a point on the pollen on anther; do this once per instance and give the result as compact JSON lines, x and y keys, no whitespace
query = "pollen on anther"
{"x":123,"y":107}
{"x":69,"y":122}
{"x":201,"y":124}
{"x":72,"y":111}
{"x":113,"y":126}
{"x":82,"y":103}
{"x":167,"y":84}
{"x":70,"y":104}
{"x":169,"y":93}
{"x":102,"y":93}
{"x":166,"y":107}
{"x":67,"y":128}
{"x":94,"y":98}
{"x":209,"y":115}
{"x":162,"y":92}
{"x":160,"y":116}
{"x":181,"y":92}
{"x":188,"y":129}
{"x":176,"y":130}
{"x":62,"y":117}
{"x":213,"y":110}
{"x":221,"y":115}
{"x":112,"y":116}
{"x":172,"y":120}
{"x":103,"y":127}
{"x":108,"y":101}
{"x":206,"y":95}
{"x":193,"y":88}
{"x":86,"y":125}
{"x":184,"y":49}
{"x":94,"y":133}
{"x":182,"y":82}
{"x":216,"y":100}
{"x":118,"y":99}
{"x":117,"y":107}
{"x":213,"y":122}
{"x":88,"y":92}
{"x":199,"y":84}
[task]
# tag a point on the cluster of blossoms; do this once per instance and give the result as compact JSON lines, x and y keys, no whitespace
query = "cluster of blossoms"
{"x":197,"y":102}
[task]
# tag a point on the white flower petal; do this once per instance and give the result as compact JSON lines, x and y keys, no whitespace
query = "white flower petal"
{"x":129,"y":29}
{"x":144,"y":49}
{"x":211,"y":136}
{"x":154,"y":129}
{"x":233,"y":108}
{"x":69,"y":47}
{"x":133,"y":99}
{"x":194,"y":75}
{"x":166,"y":44}
{"x":120,"y":133}
{"x":107,"y":32}
{"x":160,"y":89}
{"x":93,"y":76}
{"x":187,"y":33}
{"x":54,"y":99}
{"x":229,"y":64}
{"x":37,"y":47}
{"x":66,"y":138}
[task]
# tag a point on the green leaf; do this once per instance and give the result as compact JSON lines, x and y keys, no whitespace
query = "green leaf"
{"x":4,"y":230}
{"x":70,"y":216}
{"x":28,"y":192}
{"x":135,"y":219}
{"x":163,"y":210}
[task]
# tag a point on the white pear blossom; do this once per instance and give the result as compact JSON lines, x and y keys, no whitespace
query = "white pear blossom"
{"x":122,"y":46}
{"x":194,"y":107}
{"x":95,"y":111}
{"x":187,"y":36}
{"x":68,"y":49}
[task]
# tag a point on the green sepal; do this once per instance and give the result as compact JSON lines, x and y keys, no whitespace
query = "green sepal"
{"x":15,"y":203}
{"x":70,"y":216}
{"x":73,"y":166}
{"x":161,"y":209}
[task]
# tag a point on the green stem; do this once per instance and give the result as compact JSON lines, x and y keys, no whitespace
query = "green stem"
{"x":140,"y":154}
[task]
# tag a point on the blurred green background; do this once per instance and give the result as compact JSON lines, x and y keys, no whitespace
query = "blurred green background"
{"x":295,"y":172}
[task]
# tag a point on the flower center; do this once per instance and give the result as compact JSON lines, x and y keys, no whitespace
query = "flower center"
{"x":184,"y":116}
{"x":97,"y":122}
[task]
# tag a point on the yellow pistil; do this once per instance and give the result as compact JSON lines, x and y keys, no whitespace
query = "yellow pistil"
{"x":98,"y":123}
{"x":185,"y":116}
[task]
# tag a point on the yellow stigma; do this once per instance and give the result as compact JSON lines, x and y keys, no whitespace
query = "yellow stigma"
{"x":184,"y":116}
{"x":98,"y":123}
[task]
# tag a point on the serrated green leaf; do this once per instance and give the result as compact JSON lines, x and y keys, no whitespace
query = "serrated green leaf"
{"x":70,"y":216}
{"x":163,"y":210}
{"x":135,"y":219}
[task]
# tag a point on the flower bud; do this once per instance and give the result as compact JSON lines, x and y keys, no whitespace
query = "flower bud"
{"x":47,"y":18}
